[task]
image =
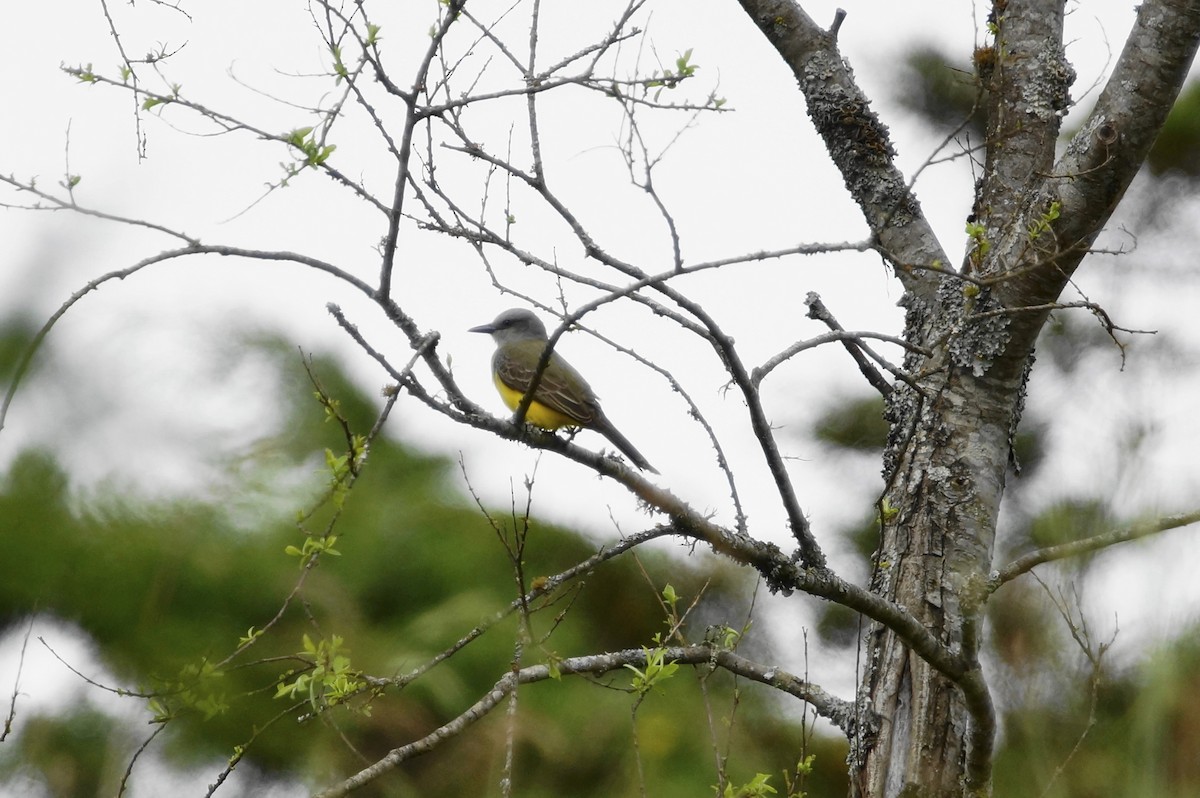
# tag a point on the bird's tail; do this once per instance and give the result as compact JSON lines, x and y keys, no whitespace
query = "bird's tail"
{"x":605,"y":428}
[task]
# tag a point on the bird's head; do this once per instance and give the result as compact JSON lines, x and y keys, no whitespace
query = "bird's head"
{"x":515,"y":324}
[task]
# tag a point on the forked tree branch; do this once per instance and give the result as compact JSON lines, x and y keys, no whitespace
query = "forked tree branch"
{"x":723,"y":344}
{"x":396,"y":209}
{"x":838,"y":711}
{"x":858,"y":143}
{"x":1097,"y":166}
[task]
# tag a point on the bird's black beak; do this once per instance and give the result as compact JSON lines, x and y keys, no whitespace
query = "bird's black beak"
{"x":484,"y":328}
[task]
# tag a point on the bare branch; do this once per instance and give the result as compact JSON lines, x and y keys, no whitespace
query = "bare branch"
{"x":120,"y":274}
{"x":760,"y":373}
{"x":818,"y":311}
{"x":396,"y":209}
{"x":137,"y":755}
{"x":58,"y":204}
{"x":1075,"y":548}
{"x":242,"y":749}
{"x":1078,"y":627}
{"x":837,"y":710}
{"x":120,"y":691}
{"x":16,"y":691}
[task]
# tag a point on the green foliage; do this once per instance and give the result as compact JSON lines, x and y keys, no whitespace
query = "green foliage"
{"x":670,"y":598}
{"x":313,"y":547}
{"x":838,"y":625}
{"x":339,"y":67}
{"x":1177,"y":148}
{"x":199,"y":689}
{"x":328,"y":680}
{"x":15,"y":335}
{"x":1069,"y":520}
{"x":760,"y":785}
{"x":671,"y":78}
{"x":724,"y":637}
{"x":1141,"y":745}
{"x":657,"y":670}
{"x":684,"y":69}
{"x":83,"y":74}
{"x":166,"y":589}
{"x":1043,"y":222}
{"x":855,"y":424}
{"x":800,"y":776}
{"x":755,"y":788}
{"x":1029,"y":447}
{"x":942,"y":93}
{"x":980,"y":246}
{"x":78,"y":753}
{"x":314,"y":152}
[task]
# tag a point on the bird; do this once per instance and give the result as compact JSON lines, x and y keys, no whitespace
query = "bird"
{"x":563,"y":397}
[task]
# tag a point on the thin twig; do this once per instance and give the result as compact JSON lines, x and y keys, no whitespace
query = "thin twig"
{"x":1075,"y":548}
{"x":1078,"y":628}
{"x":16,"y":691}
{"x":136,"y":755}
{"x":838,"y":711}
{"x":818,"y":311}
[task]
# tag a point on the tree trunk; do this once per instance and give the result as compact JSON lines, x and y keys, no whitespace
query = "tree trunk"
{"x":951,"y":429}
{"x":947,"y":463}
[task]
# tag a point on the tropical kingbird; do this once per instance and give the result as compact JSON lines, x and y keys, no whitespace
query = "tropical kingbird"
{"x":562,"y":397}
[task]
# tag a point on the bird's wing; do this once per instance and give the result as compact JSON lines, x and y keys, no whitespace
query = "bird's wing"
{"x":560,"y":387}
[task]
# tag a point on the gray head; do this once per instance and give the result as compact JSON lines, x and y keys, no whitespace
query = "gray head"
{"x":514,"y":324}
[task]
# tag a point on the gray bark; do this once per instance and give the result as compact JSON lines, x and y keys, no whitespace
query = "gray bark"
{"x":948,"y":454}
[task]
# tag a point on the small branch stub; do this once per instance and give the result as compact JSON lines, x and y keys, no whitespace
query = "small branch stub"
{"x":839,"y":16}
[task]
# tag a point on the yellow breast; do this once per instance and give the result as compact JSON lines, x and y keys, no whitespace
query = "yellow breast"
{"x":538,"y":414}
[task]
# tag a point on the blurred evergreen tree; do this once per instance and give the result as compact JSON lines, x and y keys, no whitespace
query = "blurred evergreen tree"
{"x":942,"y":90}
{"x":1177,"y":149}
{"x":164,"y":588}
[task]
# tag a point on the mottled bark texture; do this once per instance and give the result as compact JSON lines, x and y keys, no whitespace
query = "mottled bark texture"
{"x":951,"y":431}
